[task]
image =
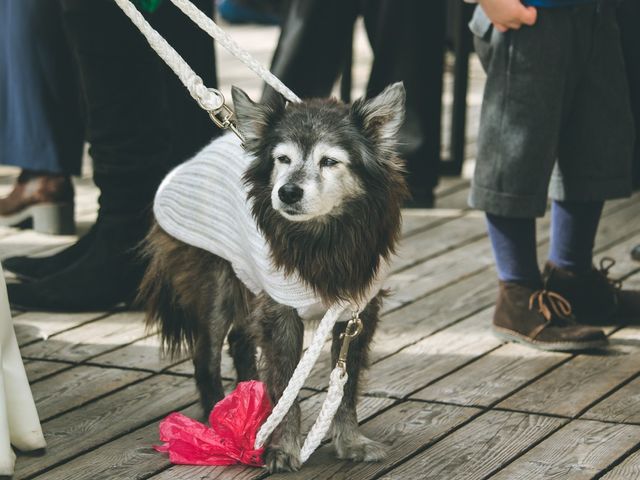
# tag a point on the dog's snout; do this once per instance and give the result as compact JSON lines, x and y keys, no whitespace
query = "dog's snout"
{"x":290,"y":193}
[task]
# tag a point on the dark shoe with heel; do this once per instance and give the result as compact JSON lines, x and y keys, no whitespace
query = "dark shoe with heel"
{"x":541,"y":319}
{"x":37,"y":268}
{"x":106,"y":275}
{"x":635,"y":253}
{"x":596,"y":298}
{"x":40,"y":201}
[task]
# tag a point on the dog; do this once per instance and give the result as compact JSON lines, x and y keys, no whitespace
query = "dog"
{"x":325,"y":188}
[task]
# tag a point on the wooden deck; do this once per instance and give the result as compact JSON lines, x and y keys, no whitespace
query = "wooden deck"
{"x":451,"y":400}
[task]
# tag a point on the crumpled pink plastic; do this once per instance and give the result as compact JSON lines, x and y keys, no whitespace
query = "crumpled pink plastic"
{"x":234,"y":421}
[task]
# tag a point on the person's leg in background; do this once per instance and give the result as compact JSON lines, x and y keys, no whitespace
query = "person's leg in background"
{"x":312,"y":46}
{"x":629,"y":19}
{"x":41,"y":130}
{"x":408,"y":42}
{"x":594,"y":164}
{"x":513,"y":169}
{"x":190,"y":127}
{"x":129,"y":129}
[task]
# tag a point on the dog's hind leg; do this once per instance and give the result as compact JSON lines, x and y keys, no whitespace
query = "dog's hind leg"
{"x":281,"y":334}
{"x":214,"y":321}
{"x":242,"y":349}
{"x":348,"y":441}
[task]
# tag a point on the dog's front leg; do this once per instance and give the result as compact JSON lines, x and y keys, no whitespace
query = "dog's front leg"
{"x":281,"y":341}
{"x":348,"y":441}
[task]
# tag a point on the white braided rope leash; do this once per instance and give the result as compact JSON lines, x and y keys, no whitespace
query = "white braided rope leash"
{"x":209,"y":99}
{"x":208,"y":25}
{"x":299,"y":376}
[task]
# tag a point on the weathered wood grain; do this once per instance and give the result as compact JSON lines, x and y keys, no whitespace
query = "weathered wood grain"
{"x":577,"y":451}
{"x":128,"y":457}
{"x":99,"y":422}
{"x":37,"y":369}
{"x":415,"y":366}
{"x":438,"y":240}
{"x":143,"y":354}
{"x":622,"y":406}
{"x":367,"y":407}
{"x":79,"y":385}
{"x":479,"y":448}
{"x":405,"y":428}
{"x":575,"y":385}
{"x":90,"y":339}
{"x":32,"y":326}
{"x":492,"y":377}
{"x":629,"y":469}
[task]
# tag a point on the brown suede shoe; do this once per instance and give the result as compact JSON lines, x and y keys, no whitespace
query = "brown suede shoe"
{"x":541,"y":319}
{"x":596,"y":298}
{"x":43,"y":201}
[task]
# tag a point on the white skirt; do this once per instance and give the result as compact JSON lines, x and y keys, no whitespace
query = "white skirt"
{"x":19,"y":422}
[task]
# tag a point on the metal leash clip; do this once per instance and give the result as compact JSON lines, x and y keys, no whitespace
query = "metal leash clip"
{"x":353,"y":329}
{"x":225,"y":118}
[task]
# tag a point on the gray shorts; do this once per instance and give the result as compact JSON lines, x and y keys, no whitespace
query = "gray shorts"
{"x":556,"y":116}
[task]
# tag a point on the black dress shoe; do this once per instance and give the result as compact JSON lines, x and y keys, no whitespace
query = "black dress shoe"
{"x":106,"y":275}
{"x":31,"y":269}
{"x":635,"y":253}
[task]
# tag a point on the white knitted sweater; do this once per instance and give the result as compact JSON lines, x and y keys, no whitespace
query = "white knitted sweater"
{"x":203,"y":202}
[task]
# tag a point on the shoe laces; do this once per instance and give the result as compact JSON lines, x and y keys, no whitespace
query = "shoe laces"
{"x":551,"y":305}
{"x":606,"y":263}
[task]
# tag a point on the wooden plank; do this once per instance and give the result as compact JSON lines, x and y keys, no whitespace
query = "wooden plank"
{"x":438,"y":240}
{"x":575,"y":385}
{"x":29,"y":242}
{"x":72,"y":388}
{"x":33,"y":326}
{"x":131,"y":456}
{"x":101,"y":421}
{"x":419,"y":219}
{"x":422,"y":317}
{"x":479,"y":448}
{"x":492,"y":377}
{"x":37,"y":369}
{"x":419,"y":364}
{"x":143,"y":354}
{"x":90,"y":339}
{"x":579,"y":450}
{"x":629,"y":469}
{"x":405,"y":428}
{"x":623,"y":406}
{"x":367,"y":407}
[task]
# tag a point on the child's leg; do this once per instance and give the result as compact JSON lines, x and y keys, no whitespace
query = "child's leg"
{"x":573,"y":232}
{"x":514,"y":248}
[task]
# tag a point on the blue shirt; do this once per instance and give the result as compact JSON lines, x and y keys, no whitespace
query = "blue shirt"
{"x":556,"y":3}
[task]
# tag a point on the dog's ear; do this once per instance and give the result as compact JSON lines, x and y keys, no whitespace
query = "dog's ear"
{"x":382,"y":116}
{"x":253,"y":118}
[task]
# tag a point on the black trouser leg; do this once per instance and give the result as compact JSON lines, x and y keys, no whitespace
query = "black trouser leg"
{"x":191,"y":127}
{"x":629,"y":18}
{"x":408,"y":40}
{"x":312,"y":45}
{"x":128,"y":126}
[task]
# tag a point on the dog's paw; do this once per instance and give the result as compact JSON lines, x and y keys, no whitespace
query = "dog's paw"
{"x":360,"y":449}
{"x":278,"y":459}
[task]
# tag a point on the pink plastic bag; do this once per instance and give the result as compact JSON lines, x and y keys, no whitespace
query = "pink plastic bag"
{"x":234,"y":421}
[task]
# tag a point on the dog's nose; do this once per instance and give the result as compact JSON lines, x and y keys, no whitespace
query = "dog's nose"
{"x":290,"y":193}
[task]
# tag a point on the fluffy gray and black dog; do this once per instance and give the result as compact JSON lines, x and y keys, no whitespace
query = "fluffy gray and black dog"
{"x":326,"y":189}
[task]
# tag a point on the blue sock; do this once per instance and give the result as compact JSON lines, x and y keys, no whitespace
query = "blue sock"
{"x":573,"y":232}
{"x":514,"y":248}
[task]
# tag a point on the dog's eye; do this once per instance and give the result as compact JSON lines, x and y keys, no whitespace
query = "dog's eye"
{"x":283,"y":159}
{"x":328,"y":162}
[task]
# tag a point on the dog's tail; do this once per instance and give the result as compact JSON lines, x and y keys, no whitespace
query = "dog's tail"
{"x":164,"y":311}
